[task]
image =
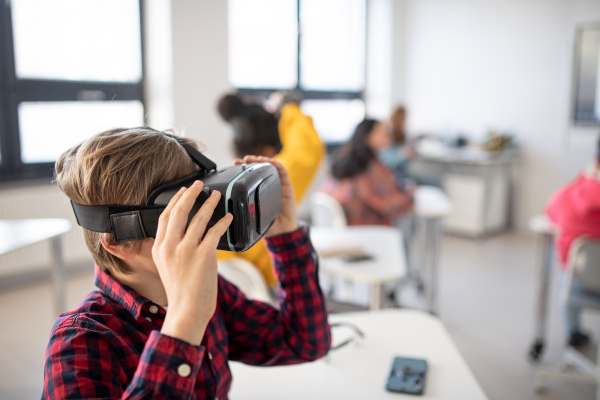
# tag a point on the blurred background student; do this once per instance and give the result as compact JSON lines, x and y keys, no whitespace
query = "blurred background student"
{"x":366,"y":189}
{"x":285,"y":134}
{"x":575,"y":210}
{"x":399,"y":153}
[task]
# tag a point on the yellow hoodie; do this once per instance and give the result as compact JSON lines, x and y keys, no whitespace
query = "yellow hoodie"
{"x":302,"y":152}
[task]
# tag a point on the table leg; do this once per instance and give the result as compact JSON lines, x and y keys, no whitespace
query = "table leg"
{"x":433,"y":257}
{"x":546,"y":246}
{"x":419,"y":259}
{"x":375,"y":296}
{"x":58,"y":274}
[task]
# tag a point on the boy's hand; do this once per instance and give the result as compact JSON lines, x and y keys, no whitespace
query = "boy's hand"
{"x":287,"y":220}
{"x":187,"y":264}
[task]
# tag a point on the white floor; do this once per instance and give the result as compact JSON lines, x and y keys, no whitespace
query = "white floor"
{"x":487,"y":302}
{"x":488,"y":298}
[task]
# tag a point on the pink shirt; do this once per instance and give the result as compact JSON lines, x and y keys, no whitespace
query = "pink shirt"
{"x":575,"y":209}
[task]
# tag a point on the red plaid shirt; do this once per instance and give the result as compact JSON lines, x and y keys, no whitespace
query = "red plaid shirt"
{"x":111,"y":346}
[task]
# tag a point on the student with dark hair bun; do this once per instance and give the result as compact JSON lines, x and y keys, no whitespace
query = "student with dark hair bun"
{"x":366,"y":189}
{"x":255,"y":129}
{"x":287,"y":135}
{"x":575,"y":210}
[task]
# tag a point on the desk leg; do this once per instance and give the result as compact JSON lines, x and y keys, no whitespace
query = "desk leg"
{"x":375,"y":296}
{"x":433,"y":258}
{"x":546,"y":246}
{"x":58,"y":275}
{"x":418,"y":261}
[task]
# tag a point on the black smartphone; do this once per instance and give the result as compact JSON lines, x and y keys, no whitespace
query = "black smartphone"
{"x":407,"y":376}
{"x":351,"y":258}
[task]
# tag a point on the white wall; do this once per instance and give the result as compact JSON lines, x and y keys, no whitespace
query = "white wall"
{"x":472,"y":65}
{"x":379,"y":73}
{"x":200,"y":73}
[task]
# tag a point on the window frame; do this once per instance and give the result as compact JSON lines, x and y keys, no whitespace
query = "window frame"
{"x":13,"y":91}
{"x":263,"y":93}
{"x":577,"y":120}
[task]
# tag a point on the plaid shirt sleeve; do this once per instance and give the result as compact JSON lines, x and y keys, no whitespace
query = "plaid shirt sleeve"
{"x":297,"y":332}
{"x":85,"y":363}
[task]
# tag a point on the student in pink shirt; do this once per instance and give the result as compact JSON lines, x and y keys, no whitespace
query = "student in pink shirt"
{"x":575,"y":210}
{"x":366,"y":189}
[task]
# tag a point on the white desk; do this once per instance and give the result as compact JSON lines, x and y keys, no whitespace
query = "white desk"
{"x":359,"y":370}
{"x":18,"y":233}
{"x":431,"y":202}
{"x":382,"y":242}
{"x":477,"y":182}
{"x":431,"y":206}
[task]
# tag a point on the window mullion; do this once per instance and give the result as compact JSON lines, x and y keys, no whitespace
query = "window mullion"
{"x":9,"y":139}
{"x":49,"y":90}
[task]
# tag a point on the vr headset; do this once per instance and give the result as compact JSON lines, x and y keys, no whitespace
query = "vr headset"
{"x":252,"y":193}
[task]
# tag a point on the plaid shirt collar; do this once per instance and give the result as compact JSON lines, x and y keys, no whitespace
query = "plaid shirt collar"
{"x":122,"y":294}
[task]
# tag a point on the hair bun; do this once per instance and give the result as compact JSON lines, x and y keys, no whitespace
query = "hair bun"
{"x":231,"y":106}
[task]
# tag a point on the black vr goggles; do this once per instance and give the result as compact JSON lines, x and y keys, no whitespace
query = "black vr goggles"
{"x":252,"y":193}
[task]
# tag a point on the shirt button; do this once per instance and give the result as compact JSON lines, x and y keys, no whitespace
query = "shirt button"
{"x":153,"y":309}
{"x":209,"y":356}
{"x":149,"y":319}
{"x":184,"y":370}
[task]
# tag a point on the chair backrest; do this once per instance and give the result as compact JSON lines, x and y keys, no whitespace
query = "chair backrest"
{"x":325,"y":211}
{"x":247,"y":278}
{"x":584,"y":262}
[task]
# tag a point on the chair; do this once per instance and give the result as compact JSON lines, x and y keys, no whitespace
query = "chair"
{"x":326,"y":211}
{"x":247,"y":278}
{"x":584,"y":268}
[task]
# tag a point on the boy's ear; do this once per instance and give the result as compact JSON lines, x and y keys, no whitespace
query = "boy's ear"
{"x":122,"y":250}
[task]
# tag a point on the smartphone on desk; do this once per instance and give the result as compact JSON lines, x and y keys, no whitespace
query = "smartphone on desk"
{"x":407,"y":375}
{"x":352,"y":258}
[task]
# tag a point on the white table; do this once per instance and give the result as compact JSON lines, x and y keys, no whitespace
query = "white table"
{"x":545,"y":230}
{"x":431,"y":206}
{"x":18,"y":233}
{"x":382,"y":242}
{"x":359,"y":370}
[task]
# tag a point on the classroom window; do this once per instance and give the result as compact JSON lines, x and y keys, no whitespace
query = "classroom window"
{"x":263,"y":43}
{"x":44,"y":135}
{"x":315,"y":46}
{"x":68,"y":69}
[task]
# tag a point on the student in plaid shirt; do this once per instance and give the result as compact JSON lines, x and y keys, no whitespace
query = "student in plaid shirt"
{"x":163,"y":323}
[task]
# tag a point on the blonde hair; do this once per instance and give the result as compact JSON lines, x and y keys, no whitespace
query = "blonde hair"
{"x":119,"y":167}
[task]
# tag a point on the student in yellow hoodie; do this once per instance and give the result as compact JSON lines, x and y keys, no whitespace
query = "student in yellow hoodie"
{"x":292,"y":140}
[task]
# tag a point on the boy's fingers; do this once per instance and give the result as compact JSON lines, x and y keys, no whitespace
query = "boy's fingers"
{"x":250,"y":159}
{"x":163,"y":220}
{"x":214,"y":234}
{"x":198,"y":225}
{"x":178,"y":216}
{"x":281,"y":170}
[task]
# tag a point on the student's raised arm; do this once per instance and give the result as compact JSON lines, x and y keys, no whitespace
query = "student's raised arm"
{"x":297,"y":332}
{"x":302,"y":149}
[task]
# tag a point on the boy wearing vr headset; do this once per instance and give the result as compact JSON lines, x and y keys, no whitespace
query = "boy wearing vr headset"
{"x":163,"y":324}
